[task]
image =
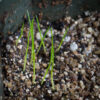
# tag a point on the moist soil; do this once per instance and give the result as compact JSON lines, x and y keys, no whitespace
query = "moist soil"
{"x":76,"y":65}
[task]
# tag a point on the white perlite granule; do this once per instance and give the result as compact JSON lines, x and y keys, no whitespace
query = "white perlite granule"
{"x":73,"y":46}
{"x":8,"y":47}
{"x":38,"y":37}
{"x":67,"y":38}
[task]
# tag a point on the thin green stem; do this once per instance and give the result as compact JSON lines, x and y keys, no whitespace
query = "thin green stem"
{"x":43,"y":40}
{"x":33,"y":50}
{"x":29,"y":18}
{"x":46,"y":71}
{"x":51,"y":63}
{"x":52,"y":53}
{"x":40,"y":34}
{"x":52,"y":82}
{"x":25,"y":59}
{"x":33,"y":47}
{"x":47,"y":67}
{"x":62,"y":40}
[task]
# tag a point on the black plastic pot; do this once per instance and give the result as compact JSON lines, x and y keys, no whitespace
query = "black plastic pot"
{"x":13,"y":11}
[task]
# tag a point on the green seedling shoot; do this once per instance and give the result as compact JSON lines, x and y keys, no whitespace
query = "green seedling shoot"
{"x":51,"y":63}
{"x":40,"y":34}
{"x":43,"y":40}
{"x":33,"y":47}
{"x":62,"y":40}
{"x":52,"y":52}
{"x":32,"y":32}
{"x":33,"y":50}
{"x":25,"y":58}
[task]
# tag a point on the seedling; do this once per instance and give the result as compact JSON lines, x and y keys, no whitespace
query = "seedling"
{"x":52,"y":52}
{"x":40,"y":34}
{"x":62,"y":40}
{"x":25,"y":59}
{"x":31,"y":34}
{"x":33,"y":47}
{"x":43,"y":40}
{"x":20,"y":35}
{"x":51,"y":63}
{"x":33,"y":51}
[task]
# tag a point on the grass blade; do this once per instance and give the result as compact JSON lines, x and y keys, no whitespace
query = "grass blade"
{"x":52,"y":53}
{"x":47,"y":67}
{"x":46,"y":71}
{"x":20,"y":35}
{"x":40,"y":34}
{"x":25,"y":59}
{"x":33,"y":50}
{"x":33,"y":47}
{"x":29,"y":18}
{"x":43,"y":40}
{"x":52,"y":82}
{"x":50,"y":63}
{"x":33,"y":53}
{"x":62,"y":40}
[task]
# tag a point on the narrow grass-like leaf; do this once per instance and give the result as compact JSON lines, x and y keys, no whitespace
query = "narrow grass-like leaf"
{"x":25,"y":59}
{"x":33,"y":47}
{"x":46,"y":71}
{"x":52,"y":53}
{"x":62,"y":40}
{"x":32,"y":37}
{"x":43,"y":40}
{"x":33,"y":50}
{"x":20,"y":35}
{"x":52,"y":82}
{"x":40,"y":34}
{"x":29,"y":18}
{"x":51,"y":63}
{"x":47,"y":67}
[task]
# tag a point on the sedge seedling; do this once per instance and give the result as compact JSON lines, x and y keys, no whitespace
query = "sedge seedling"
{"x":51,"y":63}
{"x":62,"y":40}
{"x":20,"y":35}
{"x":38,"y":24}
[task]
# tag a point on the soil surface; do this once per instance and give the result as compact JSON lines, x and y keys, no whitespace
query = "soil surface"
{"x":77,"y":64}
